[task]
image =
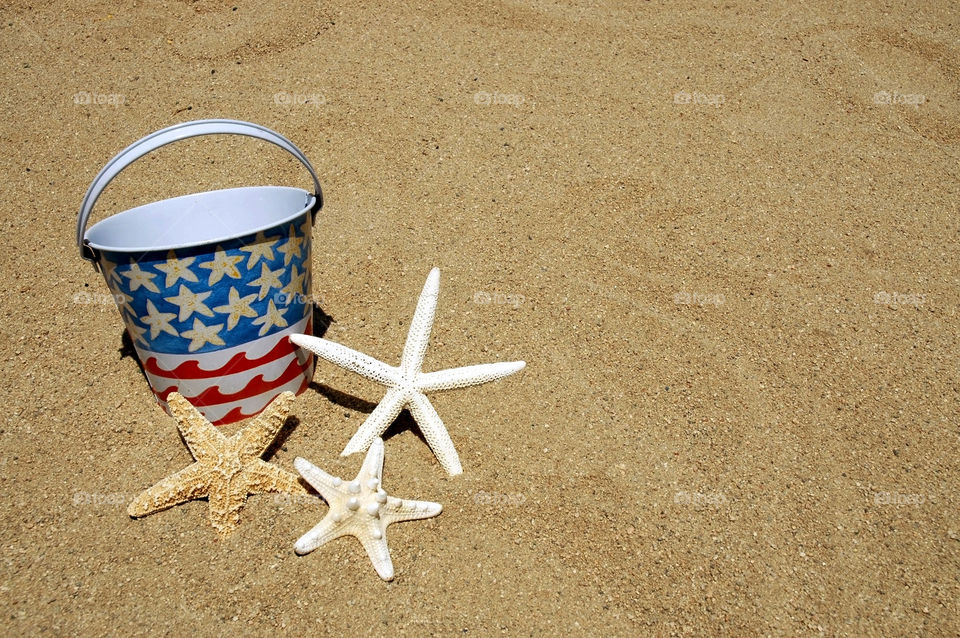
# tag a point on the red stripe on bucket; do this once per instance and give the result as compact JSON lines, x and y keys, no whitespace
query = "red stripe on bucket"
{"x":257,"y":385}
{"x":238,"y":363}
{"x":237,"y":414}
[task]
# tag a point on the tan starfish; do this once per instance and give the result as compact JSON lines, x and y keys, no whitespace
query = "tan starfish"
{"x":226,"y":470}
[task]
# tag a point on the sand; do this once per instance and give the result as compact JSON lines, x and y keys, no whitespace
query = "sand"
{"x":723,"y":237}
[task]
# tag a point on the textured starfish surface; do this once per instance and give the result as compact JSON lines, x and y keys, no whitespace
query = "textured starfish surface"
{"x":407,"y":384}
{"x":226,"y":470}
{"x":360,"y":508}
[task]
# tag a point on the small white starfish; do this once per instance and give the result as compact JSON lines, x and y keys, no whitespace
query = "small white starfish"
{"x":360,"y":508}
{"x":407,"y":384}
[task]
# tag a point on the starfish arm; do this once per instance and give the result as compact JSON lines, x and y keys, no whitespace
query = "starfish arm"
{"x":186,"y":485}
{"x":419,"y":334}
{"x":352,"y":360}
{"x":373,"y":463}
{"x":263,"y":477}
{"x":435,"y":432}
{"x":201,"y":437}
{"x":378,"y":421}
{"x":379,"y":554}
{"x":399,"y":510}
{"x":225,"y":505}
{"x":258,"y":436}
{"x":467,"y":376}
{"x":328,"y":486}
{"x":324,"y":532}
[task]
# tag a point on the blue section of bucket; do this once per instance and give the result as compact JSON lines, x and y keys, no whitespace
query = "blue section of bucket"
{"x":208,"y":298}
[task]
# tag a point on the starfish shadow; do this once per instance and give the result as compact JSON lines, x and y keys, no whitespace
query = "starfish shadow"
{"x":343,"y":399}
{"x":291,"y":424}
{"x":280,"y":440}
{"x":403,"y":422}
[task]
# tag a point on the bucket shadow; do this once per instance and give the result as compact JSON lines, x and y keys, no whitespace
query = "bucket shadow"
{"x":402,"y":423}
{"x":321,"y":321}
{"x":127,"y":350}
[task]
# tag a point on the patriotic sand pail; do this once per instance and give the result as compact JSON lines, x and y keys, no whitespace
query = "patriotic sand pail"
{"x":210,"y":285}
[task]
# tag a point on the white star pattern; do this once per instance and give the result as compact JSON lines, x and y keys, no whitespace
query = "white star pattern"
{"x":176,"y":296}
{"x":273,"y":318}
{"x":201,"y":335}
{"x":190,"y":302}
{"x":294,"y":246}
{"x":158,"y":321}
{"x":268,"y":279}
{"x":294,"y":289}
{"x":139,"y":278}
{"x":136,"y":332}
{"x":221,"y":265}
{"x":177,"y":269}
{"x":262,"y":248}
{"x":238,"y":307}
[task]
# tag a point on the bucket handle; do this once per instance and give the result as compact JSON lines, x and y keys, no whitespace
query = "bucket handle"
{"x":172,"y":134}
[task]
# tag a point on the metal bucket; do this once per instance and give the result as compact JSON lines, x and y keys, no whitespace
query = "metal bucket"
{"x":210,"y":285}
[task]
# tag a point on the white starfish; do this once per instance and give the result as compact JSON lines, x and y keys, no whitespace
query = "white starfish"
{"x":360,"y":508}
{"x":407,"y":384}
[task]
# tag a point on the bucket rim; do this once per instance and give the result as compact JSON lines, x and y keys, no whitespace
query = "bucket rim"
{"x":227,"y":236}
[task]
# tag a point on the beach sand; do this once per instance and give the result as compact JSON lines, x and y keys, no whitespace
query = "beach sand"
{"x":724,"y":238}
